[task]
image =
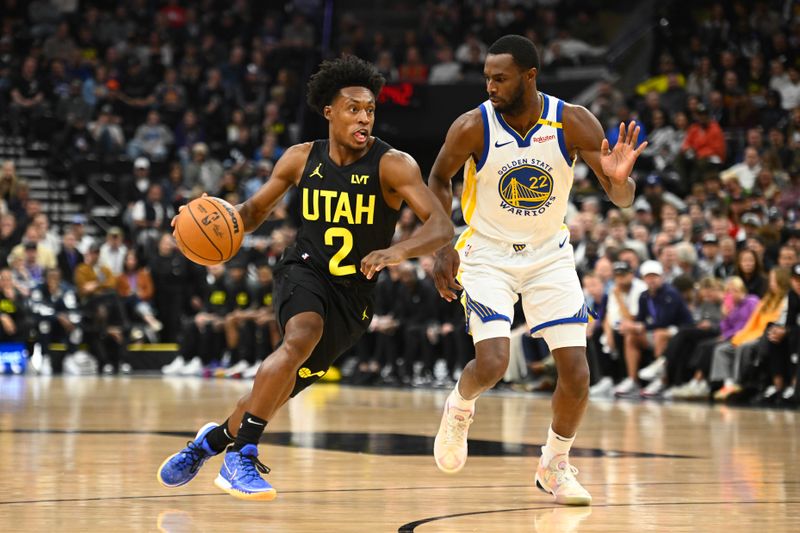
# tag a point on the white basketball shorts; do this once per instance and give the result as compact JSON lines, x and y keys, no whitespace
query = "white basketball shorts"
{"x":494,"y":274}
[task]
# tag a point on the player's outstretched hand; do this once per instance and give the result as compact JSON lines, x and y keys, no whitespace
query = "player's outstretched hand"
{"x":618,"y":163}
{"x":445,"y":270}
{"x":376,"y":260}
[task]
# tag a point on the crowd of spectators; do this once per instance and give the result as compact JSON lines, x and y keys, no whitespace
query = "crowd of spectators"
{"x":695,"y":286}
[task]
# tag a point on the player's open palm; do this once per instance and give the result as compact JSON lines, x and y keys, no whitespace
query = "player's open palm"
{"x":618,"y":163}
{"x":445,"y":270}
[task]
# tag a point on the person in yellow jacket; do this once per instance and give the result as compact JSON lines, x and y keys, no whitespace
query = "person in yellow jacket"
{"x":728,"y":356}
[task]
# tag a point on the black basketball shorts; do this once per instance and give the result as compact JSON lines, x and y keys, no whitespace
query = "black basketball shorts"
{"x":345,"y":308}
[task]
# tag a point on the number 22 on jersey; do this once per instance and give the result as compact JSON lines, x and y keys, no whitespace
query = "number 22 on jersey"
{"x":334,"y":265}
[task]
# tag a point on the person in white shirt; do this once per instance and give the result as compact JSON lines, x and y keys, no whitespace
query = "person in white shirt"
{"x":112,"y":252}
{"x":622,"y":303}
{"x":746,"y":171}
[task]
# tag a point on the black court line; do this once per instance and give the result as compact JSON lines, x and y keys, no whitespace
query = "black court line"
{"x":392,"y":444}
{"x":387,"y":489}
{"x":410,"y":527}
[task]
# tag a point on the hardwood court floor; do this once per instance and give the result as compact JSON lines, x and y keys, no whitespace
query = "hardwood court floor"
{"x":80,"y":454}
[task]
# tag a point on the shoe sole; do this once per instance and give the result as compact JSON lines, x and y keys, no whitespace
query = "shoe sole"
{"x":160,"y":468}
{"x":567,"y":500}
{"x":223,"y":484}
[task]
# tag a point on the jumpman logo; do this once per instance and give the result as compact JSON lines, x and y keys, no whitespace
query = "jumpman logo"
{"x":364,"y":315}
{"x":316,"y":172}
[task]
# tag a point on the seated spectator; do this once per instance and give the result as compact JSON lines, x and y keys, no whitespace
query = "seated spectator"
{"x":707,"y":316}
{"x":135,"y":287}
{"x":150,"y":217}
{"x":386,"y":66}
{"x":661,"y":312}
{"x":446,"y":69}
{"x":703,"y":148}
{"x":731,"y":358}
{"x":69,"y":257}
{"x":607,"y":345}
{"x":106,"y":321}
{"x":413,"y":69}
{"x":109,"y":139}
{"x":28,"y":102}
{"x":203,"y":174}
{"x":56,"y":315}
{"x":13,"y":310}
{"x":782,"y":342}
{"x":737,"y":307}
{"x":9,"y":236}
{"x":113,"y":251}
{"x":152,"y":139}
{"x":746,"y":171}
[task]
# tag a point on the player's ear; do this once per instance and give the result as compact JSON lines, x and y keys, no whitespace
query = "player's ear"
{"x":326,"y":112}
{"x":532,"y":73}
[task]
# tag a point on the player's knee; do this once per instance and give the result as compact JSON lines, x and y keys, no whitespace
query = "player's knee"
{"x":491,"y":367}
{"x":301,"y":340}
{"x":574,"y":377}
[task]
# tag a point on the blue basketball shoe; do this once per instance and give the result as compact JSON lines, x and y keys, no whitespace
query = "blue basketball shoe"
{"x":180,"y":468}
{"x":240,"y":477}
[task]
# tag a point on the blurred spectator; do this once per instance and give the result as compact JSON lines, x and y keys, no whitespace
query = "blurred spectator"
{"x":27,"y":98}
{"x":113,"y":251}
{"x":704,"y":145}
{"x":750,"y":269}
{"x":203,"y":174}
{"x":106,"y":318}
{"x":746,"y":171}
{"x":413,"y":69}
{"x":173,"y":277}
{"x":107,"y":134}
{"x":13,"y":310}
{"x":170,"y":97}
{"x":69,"y":257}
{"x":661,"y":311}
{"x":188,"y":133}
{"x":446,"y":69}
{"x":150,"y":216}
{"x":730,"y":358}
{"x":135,"y":287}
{"x":153,"y":139}
{"x":56,"y":315}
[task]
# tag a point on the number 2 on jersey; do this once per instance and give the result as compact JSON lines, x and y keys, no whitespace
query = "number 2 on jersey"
{"x":347,"y":245}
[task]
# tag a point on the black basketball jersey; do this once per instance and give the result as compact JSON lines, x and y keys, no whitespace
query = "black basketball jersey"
{"x":343,"y":213}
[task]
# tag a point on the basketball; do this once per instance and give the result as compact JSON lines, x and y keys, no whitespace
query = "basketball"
{"x":209,"y":231}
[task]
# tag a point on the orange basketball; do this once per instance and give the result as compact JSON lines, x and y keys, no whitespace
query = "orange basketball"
{"x":209,"y":231}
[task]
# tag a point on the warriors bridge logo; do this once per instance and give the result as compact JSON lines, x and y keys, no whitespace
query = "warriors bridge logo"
{"x":526,"y":189}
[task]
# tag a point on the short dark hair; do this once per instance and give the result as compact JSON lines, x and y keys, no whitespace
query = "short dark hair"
{"x":521,"y":49}
{"x":336,"y":74}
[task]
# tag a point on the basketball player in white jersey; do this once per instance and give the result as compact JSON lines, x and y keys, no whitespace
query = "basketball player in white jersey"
{"x":518,"y":149}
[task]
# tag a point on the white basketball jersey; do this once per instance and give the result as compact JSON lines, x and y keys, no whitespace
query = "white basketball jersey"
{"x":518,"y":190}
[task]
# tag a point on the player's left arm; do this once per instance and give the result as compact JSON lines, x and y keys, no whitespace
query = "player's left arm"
{"x":401,"y":181}
{"x":584,"y":136}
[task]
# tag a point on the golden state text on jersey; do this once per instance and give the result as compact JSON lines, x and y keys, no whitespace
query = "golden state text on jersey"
{"x":517,"y":191}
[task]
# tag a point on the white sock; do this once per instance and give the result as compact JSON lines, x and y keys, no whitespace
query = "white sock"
{"x":457,"y":400}
{"x":556,"y":445}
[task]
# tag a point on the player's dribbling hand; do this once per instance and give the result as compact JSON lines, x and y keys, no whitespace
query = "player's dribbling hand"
{"x":376,"y":260}
{"x":181,"y":208}
{"x":445,"y":270}
{"x":618,"y":163}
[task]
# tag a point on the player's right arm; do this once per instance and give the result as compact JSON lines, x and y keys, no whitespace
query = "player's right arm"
{"x":287,"y":172}
{"x":464,"y":140}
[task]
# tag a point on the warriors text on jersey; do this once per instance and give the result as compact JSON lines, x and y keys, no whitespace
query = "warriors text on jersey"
{"x":518,"y":190}
{"x":344,"y":214}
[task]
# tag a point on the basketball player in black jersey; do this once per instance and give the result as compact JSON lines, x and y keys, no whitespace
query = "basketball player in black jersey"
{"x":351,"y":186}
